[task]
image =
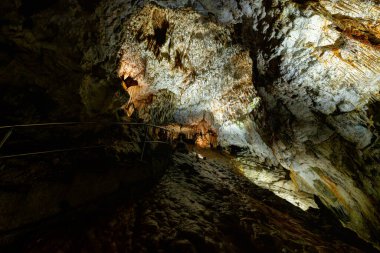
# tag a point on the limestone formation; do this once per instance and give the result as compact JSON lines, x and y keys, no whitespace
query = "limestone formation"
{"x":294,"y":84}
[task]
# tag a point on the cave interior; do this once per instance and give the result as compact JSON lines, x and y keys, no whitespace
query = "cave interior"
{"x":189,"y":126}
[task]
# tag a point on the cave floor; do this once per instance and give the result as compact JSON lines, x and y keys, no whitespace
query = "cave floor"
{"x":199,"y":206}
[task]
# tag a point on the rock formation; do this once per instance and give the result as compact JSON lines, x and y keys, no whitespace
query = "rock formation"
{"x":294,"y":83}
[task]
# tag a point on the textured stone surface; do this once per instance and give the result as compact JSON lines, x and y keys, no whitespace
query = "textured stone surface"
{"x":329,"y":73}
{"x":203,"y":206}
{"x":317,"y":66}
{"x":206,"y":74}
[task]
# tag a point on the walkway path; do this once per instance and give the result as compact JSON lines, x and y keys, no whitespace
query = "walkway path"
{"x":204,"y":206}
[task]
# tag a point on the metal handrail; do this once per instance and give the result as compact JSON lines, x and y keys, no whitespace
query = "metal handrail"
{"x":12,"y":127}
{"x":81,"y":123}
{"x":50,"y":151}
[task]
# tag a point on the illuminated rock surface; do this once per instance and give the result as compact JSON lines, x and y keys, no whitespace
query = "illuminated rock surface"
{"x":202,"y":71}
{"x":317,"y":70}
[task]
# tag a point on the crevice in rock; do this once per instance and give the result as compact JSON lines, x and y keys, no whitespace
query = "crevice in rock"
{"x":129,"y":82}
{"x":155,"y":39}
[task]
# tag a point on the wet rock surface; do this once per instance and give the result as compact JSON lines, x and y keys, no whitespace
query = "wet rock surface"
{"x":201,"y":206}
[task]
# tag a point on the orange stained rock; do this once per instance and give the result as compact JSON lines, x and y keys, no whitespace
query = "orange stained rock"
{"x":293,"y":177}
{"x":334,"y":190}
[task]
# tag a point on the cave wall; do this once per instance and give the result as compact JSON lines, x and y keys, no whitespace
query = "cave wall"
{"x":327,"y":56}
{"x":316,"y":68}
{"x":294,"y":83}
{"x":58,"y":59}
{"x":203,"y":72}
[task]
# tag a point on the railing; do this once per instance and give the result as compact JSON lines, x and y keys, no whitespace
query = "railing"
{"x":12,"y":128}
{"x":17,"y":178}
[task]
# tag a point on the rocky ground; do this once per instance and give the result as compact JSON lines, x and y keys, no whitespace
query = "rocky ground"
{"x":199,"y":206}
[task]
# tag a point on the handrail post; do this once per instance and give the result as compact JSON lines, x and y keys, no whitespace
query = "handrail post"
{"x":145,"y":136}
{"x":6,"y":137}
{"x":171,"y":137}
